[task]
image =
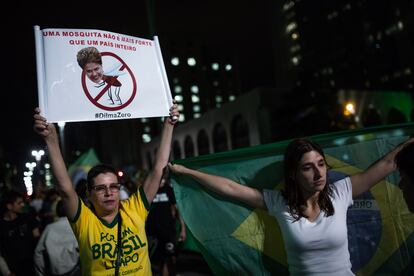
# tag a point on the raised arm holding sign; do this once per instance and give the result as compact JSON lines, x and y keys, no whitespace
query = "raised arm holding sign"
{"x":95,"y":228}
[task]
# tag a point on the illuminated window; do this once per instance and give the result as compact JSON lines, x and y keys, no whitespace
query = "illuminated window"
{"x":228,"y":67}
{"x":196,"y":115}
{"x":180,"y":107}
{"x":295,"y":60}
{"x":385,"y":78}
{"x":175,"y":61}
{"x":295,"y":36}
{"x":332,"y":15}
{"x":178,"y":98}
{"x":295,"y":48}
{"x":397,"y":74}
{"x":146,"y":138}
{"x":232,"y":98}
{"x":144,"y":120}
{"x":194,"y":89}
{"x":219,"y":99}
{"x":215,"y":66}
{"x":290,"y":27}
{"x":191,"y":61}
{"x":182,"y":118}
{"x":195,"y":98}
{"x":178,"y":89}
{"x":290,"y":15}
{"x":147,"y":129}
{"x":288,"y":5}
{"x":196,"y":108}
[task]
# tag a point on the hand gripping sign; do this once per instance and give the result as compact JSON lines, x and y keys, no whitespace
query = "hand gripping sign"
{"x":88,"y":75}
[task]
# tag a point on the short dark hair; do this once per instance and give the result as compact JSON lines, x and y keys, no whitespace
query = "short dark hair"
{"x":60,"y":209}
{"x":97,"y":170}
{"x":405,"y":160}
{"x":9,"y":197}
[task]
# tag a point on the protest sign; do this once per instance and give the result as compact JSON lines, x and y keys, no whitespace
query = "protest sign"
{"x":88,"y":75}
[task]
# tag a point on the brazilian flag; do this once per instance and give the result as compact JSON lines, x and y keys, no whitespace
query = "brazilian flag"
{"x":238,"y":240}
{"x":79,"y":169}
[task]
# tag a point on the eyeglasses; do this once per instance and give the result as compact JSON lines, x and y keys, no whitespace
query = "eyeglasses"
{"x":100,"y":189}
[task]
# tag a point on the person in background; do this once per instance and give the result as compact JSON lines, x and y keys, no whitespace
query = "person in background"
{"x":405,"y":164}
{"x":57,"y":251}
{"x":161,"y":229}
{"x":47,"y":213}
{"x":311,"y":211}
{"x":123,"y":193}
{"x":19,"y":233}
{"x":37,"y":198}
{"x":81,"y":189}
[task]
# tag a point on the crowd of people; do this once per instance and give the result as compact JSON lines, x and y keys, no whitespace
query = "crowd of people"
{"x":52,"y":236}
{"x":96,"y":227}
{"x":35,"y":231}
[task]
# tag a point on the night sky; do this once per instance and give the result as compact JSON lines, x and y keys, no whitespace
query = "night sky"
{"x":18,"y":48}
{"x":19,"y":67}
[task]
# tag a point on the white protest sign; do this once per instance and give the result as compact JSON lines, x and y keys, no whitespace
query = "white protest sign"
{"x":88,"y":75}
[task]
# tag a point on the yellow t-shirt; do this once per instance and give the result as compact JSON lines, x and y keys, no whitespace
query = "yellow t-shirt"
{"x":97,"y":239}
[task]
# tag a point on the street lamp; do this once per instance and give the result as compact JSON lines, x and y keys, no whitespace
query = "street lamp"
{"x":37,"y":174}
{"x":38,"y":154}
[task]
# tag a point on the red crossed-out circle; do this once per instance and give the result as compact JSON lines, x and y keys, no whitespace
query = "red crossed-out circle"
{"x":95,"y":100}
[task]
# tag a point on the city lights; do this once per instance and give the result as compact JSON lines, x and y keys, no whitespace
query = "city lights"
{"x":349,"y":109}
{"x":38,"y":154}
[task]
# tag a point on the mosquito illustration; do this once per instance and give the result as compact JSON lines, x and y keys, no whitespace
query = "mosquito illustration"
{"x":90,"y":60}
{"x":110,"y":77}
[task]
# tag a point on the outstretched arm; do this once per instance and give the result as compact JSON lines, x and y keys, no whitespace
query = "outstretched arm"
{"x":153,"y":180}
{"x":364,"y":181}
{"x":224,"y":186}
{"x":64,"y":184}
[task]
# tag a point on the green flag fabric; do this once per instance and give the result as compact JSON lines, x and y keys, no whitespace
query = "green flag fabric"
{"x":236,"y":239}
{"x":79,"y":169}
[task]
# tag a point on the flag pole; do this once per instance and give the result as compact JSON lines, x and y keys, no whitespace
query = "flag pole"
{"x":40,"y":66}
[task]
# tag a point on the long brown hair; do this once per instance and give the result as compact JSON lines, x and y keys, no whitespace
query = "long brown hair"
{"x":292,"y":192}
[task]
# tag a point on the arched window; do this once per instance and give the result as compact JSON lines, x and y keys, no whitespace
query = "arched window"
{"x":239,"y":133}
{"x":203,"y":143}
{"x":395,"y":116}
{"x":219,"y":138}
{"x":149,"y":160}
{"x":371,"y":117}
{"x":176,"y":150}
{"x":188,"y":147}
